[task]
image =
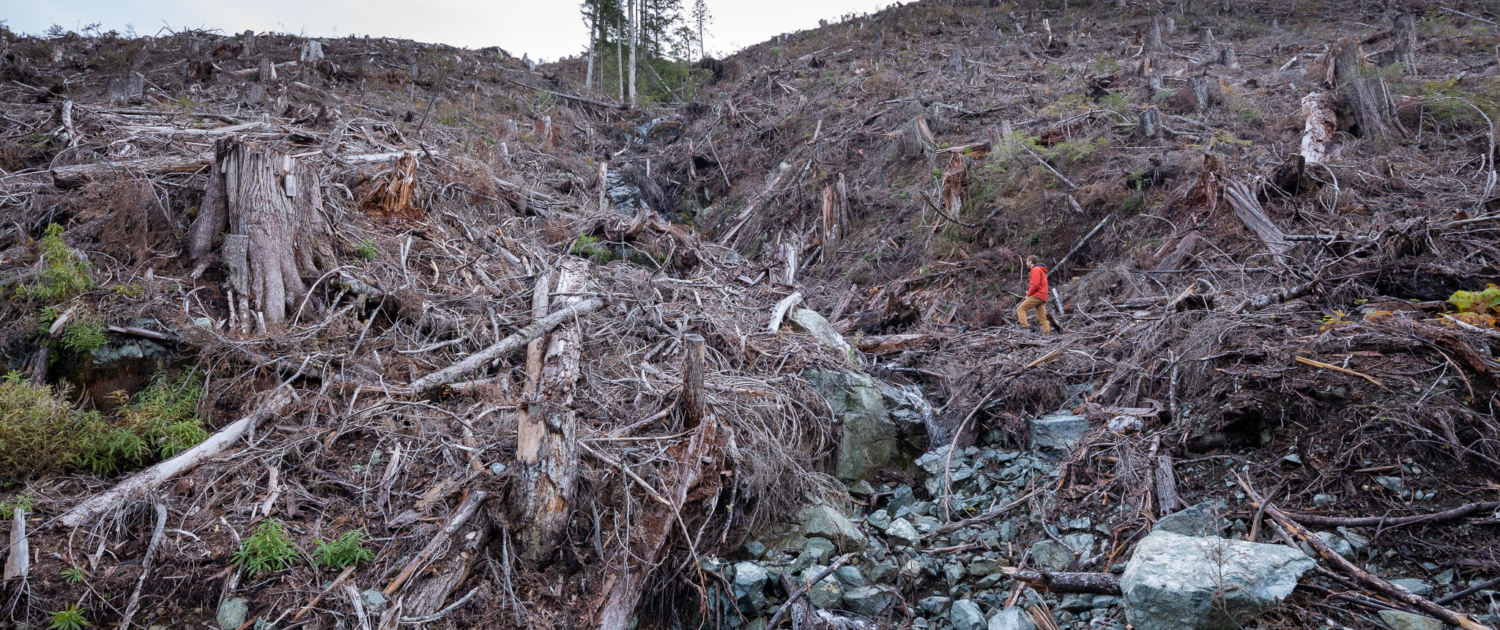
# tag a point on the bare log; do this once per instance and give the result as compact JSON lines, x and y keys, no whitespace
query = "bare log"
{"x":77,"y":175}
{"x":1177,"y":259}
{"x":1383,"y":522}
{"x":779,"y":312}
{"x":693,"y":403}
{"x":1247,"y":208}
{"x":690,"y":465}
{"x":506,"y":346}
{"x":1096,"y":583}
{"x":143,"y":482}
{"x":547,"y":459}
{"x":466,"y":510}
{"x":1320,"y":125}
{"x":447,"y":572}
{"x":18,"y":562}
{"x":1389,"y":590}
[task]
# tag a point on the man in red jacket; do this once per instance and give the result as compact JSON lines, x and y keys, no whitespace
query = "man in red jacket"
{"x":1036,"y":296}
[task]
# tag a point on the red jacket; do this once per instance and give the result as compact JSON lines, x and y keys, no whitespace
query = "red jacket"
{"x":1038,"y":288}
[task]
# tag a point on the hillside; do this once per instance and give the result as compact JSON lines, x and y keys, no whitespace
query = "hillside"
{"x":364,"y":332}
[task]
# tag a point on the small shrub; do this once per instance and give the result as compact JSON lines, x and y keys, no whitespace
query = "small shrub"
{"x":39,"y":430}
{"x":22,"y":502}
{"x":165,"y":414}
{"x":129,"y":291}
{"x":74,"y":575}
{"x":63,"y":275}
{"x":1476,"y":308}
{"x":366,"y":251}
{"x":590,"y":247}
{"x":344,"y":551}
{"x":84,"y":334}
{"x":267,"y":550}
{"x":70,"y":618}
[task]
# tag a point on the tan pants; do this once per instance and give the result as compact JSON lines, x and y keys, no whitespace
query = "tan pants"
{"x":1037,"y":303}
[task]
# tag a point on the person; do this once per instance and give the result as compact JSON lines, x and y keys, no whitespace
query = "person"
{"x":1036,"y":296}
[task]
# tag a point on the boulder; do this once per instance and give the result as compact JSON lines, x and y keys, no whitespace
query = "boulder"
{"x":935,"y":605}
{"x":870,"y":601}
{"x":1012,"y":618}
{"x":850,"y":577}
{"x":868,"y":437}
{"x":902,"y":533}
{"x":1398,"y":620}
{"x":826,"y":522}
{"x":1176,"y":582}
{"x":232,"y":613}
{"x":1200,"y":520}
{"x":1054,"y":436}
{"x":965,"y":615}
{"x":1414,"y":586}
{"x":749,"y":587}
{"x":827,"y":593}
{"x":1051,"y":556}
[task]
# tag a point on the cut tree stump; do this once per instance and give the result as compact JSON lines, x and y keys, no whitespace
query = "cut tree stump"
{"x":546,"y":446}
{"x":273,"y":201}
{"x":1345,"y":59}
{"x":1374,"y":111}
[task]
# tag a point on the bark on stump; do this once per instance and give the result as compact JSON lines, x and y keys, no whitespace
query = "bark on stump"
{"x":1345,"y":59}
{"x":1150,"y":125}
{"x":546,"y":448}
{"x":1374,"y":111}
{"x":271,"y":206}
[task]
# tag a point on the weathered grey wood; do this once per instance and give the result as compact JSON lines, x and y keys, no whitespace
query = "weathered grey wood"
{"x":505,"y":346}
{"x":18,"y":559}
{"x":693,"y":403}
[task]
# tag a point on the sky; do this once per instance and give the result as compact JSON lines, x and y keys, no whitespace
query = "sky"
{"x":543,"y":29}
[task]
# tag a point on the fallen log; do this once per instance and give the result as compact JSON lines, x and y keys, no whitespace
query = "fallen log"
{"x":18,"y":562}
{"x":1248,"y":209}
{"x":145,"y":481}
{"x":1389,"y":590}
{"x":689,"y":465}
{"x":505,"y":346}
{"x":426,"y":597}
{"x":1096,"y":583}
{"x":884,"y":344}
{"x":1394,"y":521}
{"x":547,"y":432}
{"x":79,"y":174}
{"x":1320,"y":125}
{"x":466,"y":509}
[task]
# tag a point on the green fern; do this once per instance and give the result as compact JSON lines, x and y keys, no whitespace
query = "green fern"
{"x":267,"y":550}
{"x":344,"y":551}
{"x":70,"y":618}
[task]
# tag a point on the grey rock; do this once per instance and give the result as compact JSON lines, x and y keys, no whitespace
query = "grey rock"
{"x":879,"y":519}
{"x":1201,"y":520}
{"x":232,"y":613}
{"x":1339,"y":545}
{"x":883,"y":573}
{"x":1398,"y":620}
{"x":901,"y":497}
{"x":868,"y":438}
{"x":850,"y":577}
{"x":818,"y":549}
{"x":1324,"y":499}
{"x":981,"y":568}
{"x":1012,"y":618}
{"x":1106,"y":601}
{"x":935,"y":605}
{"x":902,"y":533}
{"x":1051,"y":556}
{"x":1394,"y":484}
{"x":1076,"y":603}
{"x":870,"y":601}
{"x":1009,"y":531}
{"x":1414,"y":586}
{"x":827,"y":593}
{"x":861,"y":489}
{"x":756,"y":549}
{"x":1081,"y":544}
{"x":1176,"y":582}
{"x":749,"y":587}
{"x":374,"y":601}
{"x":1082,"y":523}
{"x":1054,"y":436}
{"x":824,"y":521}
{"x":965,"y":615}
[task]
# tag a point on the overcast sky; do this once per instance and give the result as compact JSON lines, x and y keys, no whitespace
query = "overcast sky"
{"x":546,"y":29}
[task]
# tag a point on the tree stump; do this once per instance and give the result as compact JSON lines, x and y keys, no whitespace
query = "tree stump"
{"x":274,"y":205}
{"x":267,"y":70}
{"x":247,"y":44}
{"x":915,"y":142}
{"x":1406,"y":42}
{"x":1374,"y":111}
{"x":1345,"y":59}
{"x":1206,"y":39}
{"x":1150,"y":124}
{"x":1153,"y":37}
{"x":312,"y":51}
{"x":1228,"y":58}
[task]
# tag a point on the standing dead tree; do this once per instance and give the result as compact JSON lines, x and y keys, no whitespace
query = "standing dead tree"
{"x":272,"y":208}
{"x":546,"y":443}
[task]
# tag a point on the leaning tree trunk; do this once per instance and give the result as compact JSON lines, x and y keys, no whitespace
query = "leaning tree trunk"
{"x":271,"y":206}
{"x":546,"y":445}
